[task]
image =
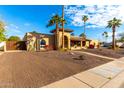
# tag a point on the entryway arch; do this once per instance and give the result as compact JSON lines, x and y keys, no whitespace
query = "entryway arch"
{"x":66,"y":42}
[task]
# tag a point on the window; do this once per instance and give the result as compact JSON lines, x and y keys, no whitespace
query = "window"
{"x":42,"y":43}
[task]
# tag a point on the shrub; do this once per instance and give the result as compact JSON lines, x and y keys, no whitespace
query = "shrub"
{"x":91,"y":46}
{"x":110,"y":47}
{"x":100,"y":49}
{"x":81,"y":57}
{"x":75,"y":46}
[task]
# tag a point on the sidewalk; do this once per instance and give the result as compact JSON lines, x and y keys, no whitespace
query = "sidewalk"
{"x":105,"y":76}
{"x":95,"y":55}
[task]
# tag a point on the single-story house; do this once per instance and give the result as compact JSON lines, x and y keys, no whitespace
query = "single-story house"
{"x":38,"y":41}
{"x":120,"y":44}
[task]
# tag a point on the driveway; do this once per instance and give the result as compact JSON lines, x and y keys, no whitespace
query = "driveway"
{"x":37,"y":69}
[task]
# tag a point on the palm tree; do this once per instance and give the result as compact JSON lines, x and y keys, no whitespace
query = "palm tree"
{"x":84,"y":19}
{"x":113,"y":24}
{"x":55,"y":20}
{"x":63,"y":21}
{"x":105,"y":34}
{"x":82,"y":35}
{"x":72,"y":34}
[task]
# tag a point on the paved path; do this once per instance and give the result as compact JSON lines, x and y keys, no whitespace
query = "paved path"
{"x":107,"y":76}
{"x":95,"y":55}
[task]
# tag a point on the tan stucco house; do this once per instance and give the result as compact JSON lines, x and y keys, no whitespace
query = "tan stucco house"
{"x":38,"y":41}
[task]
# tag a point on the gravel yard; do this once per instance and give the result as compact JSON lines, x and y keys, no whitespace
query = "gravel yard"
{"x":37,"y":69}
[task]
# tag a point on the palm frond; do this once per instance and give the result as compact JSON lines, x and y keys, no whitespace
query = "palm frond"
{"x":54,"y":19}
{"x":85,"y":18}
{"x":50,"y":23}
{"x":114,"y":23}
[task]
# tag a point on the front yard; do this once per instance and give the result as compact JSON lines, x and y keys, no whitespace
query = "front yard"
{"x":37,"y":69}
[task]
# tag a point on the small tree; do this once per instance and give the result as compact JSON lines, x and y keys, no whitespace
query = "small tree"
{"x":35,"y":32}
{"x":82,"y":35}
{"x":2,"y":32}
{"x":14,"y":38}
{"x":121,"y":39}
{"x":105,"y":35}
{"x":72,"y":34}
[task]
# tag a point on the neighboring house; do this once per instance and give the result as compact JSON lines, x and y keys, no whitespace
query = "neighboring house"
{"x":37,"y":41}
{"x":120,"y":44}
{"x":105,"y":44}
{"x":3,"y":46}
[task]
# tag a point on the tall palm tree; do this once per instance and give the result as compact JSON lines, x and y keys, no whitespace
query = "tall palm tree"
{"x":105,"y":34}
{"x":63,"y":21}
{"x":113,"y":24}
{"x":55,"y":20}
{"x":84,"y":19}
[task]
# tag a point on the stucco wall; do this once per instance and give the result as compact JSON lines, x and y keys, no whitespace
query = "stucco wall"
{"x":67,"y":34}
{"x":87,"y":44}
{"x":31,"y":43}
{"x":96,"y":42}
{"x":49,"y":41}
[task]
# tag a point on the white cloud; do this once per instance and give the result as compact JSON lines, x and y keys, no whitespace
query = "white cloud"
{"x":14,"y":26}
{"x":109,"y":39}
{"x":27,"y":24}
{"x":13,"y":30}
{"x":6,"y":27}
{"x":116,"y":34}
{"x":98,"y":14}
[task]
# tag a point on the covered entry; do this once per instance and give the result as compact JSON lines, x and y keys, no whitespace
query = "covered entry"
{"x":66,"y":41}
{"x":16,"y":45}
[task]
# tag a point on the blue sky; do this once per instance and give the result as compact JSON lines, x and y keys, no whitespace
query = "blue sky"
{"x":22,"y":19}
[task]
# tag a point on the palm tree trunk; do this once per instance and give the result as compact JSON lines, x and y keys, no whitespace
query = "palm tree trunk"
{"x":63,"y":27}
{"x":57,"y":36}
{"x":84,"y":27}
{"x":113,"y":38}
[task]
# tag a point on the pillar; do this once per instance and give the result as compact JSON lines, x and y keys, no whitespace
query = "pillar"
{"x":81,"y":43}
{"x":5,"y":46}
{"x":69,"y":43}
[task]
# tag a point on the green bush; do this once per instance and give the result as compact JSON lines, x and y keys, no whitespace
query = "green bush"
{"x":1,"y":48}
{"x":110,"y":47}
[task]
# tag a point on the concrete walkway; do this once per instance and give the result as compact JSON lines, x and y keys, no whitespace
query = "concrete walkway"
{"x":105,"y":76}
{"x":94,"y":55}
